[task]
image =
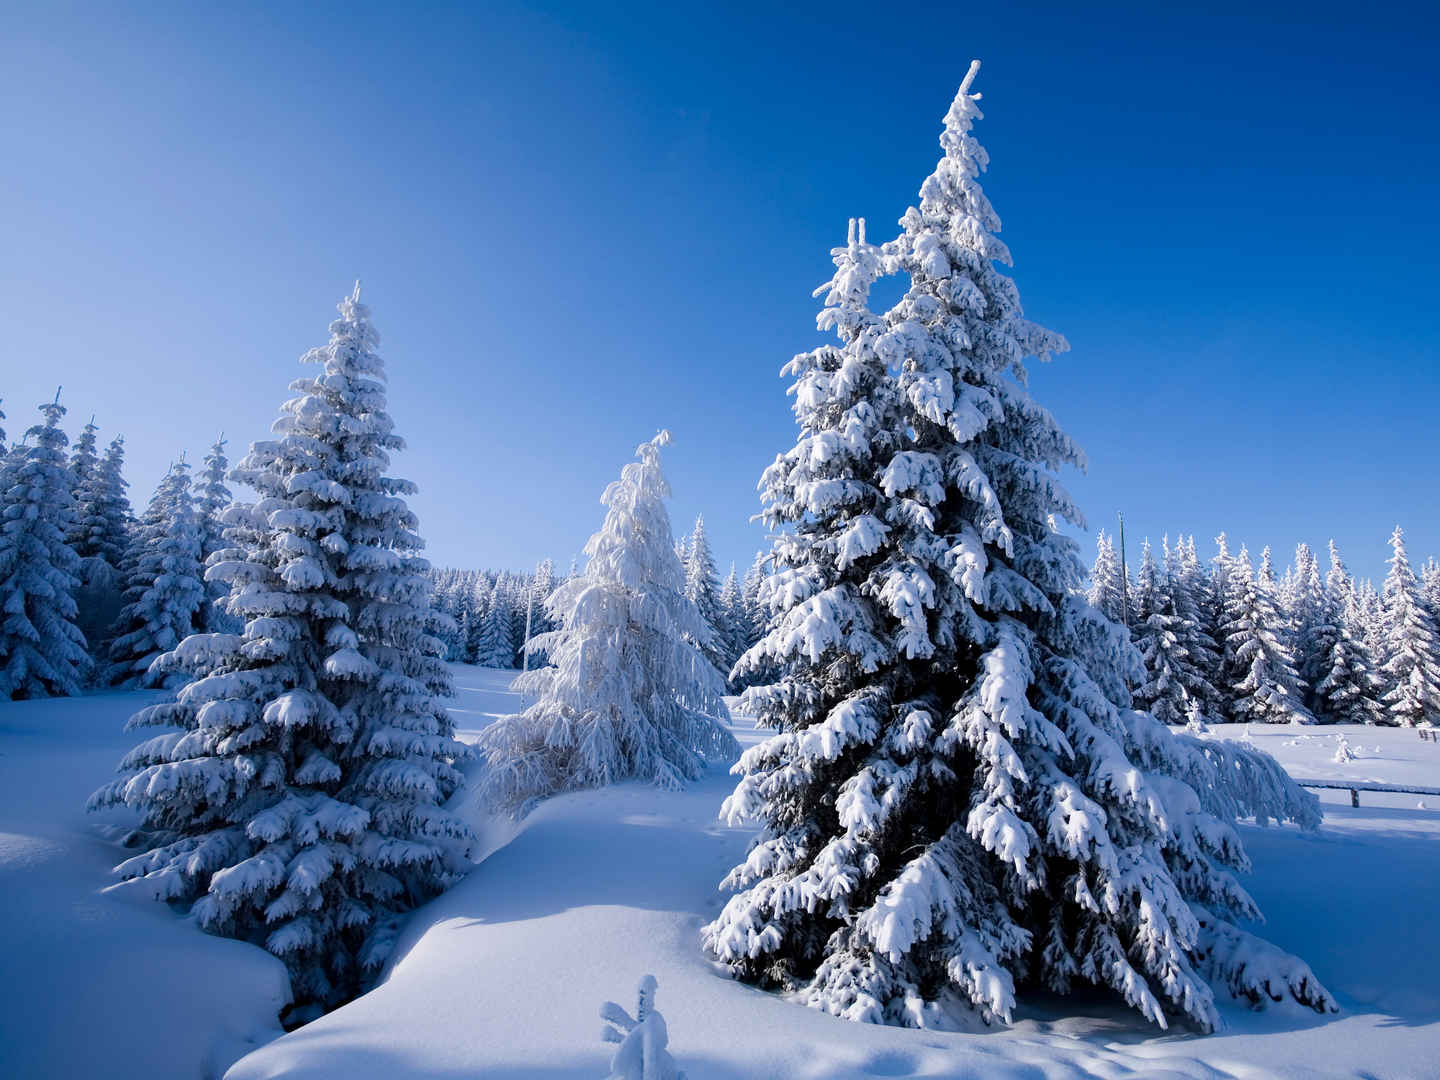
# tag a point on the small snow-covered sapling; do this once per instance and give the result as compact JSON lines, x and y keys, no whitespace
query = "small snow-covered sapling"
{"x":643,"y":1039}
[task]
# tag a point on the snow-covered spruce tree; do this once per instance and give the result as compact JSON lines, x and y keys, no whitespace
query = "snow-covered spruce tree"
{"x":212,"y":496}
{"x":102,"y":526}
{"x":1307,"y":612}
{"x":165,"y":592}
{"x":1189,"y":593}
{"x":735,"y":619}
{"x":958,"y":794}
{"x":1347,"y":690}
{"x":84,"y":459}
{"x":702,"y":588}
{"x":1107,"y":586}
{"x":1411,"y":670}
{"x":103,"y":511}
{"x":1157,"y":634}
{"x":1265,"y":687}
{"x":299,"y":805}
{"x":1430,"y":587}
{"x":42,"y":651}
{"x":492,"y":645}
{"x":629,"y":694}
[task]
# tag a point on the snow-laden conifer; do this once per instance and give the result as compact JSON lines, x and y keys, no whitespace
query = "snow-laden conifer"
{"x":1430,"y":587}
{"x":212,"y":497}
{"x":958,"y":793}
{"x":299,"y":804}
{"x":1265,"y":686}
{"x":102,"y":511}
{"x":84,"y":459}
{"x":42,"y":651}
{"x":492,"y":641}
{"x":166,"y":589}
{"x":1308,"y":613}
{"x":1411,"y":669}
{"x":1347,"y":690}
{"x":702,"y":588}
{"x":734,"y":633}
{"x":1189,"y":595}
{"x":1108,"y":590}
{"x":629,"y":693}
{"x":1158,"y":635}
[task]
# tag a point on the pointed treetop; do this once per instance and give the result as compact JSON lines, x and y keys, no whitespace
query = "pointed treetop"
{"x":355,"y":293}
{"x":970,"y":78}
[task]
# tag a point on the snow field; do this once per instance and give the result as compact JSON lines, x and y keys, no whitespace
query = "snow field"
{"x":504,"y":976}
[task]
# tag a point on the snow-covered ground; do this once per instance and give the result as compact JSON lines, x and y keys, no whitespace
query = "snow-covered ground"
{"x":503,"y":976}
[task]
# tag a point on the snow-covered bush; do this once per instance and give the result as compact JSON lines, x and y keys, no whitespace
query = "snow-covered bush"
{"x":630,"y":694}
{"x":297,"y":805}
{"x":959,"y":796}
{"x":643,"y":1039}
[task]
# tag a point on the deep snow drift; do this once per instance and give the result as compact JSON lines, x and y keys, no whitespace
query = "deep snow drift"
{"x":504,"y":976}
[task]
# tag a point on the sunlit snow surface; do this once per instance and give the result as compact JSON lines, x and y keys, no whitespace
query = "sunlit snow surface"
{"x":503,"y":977}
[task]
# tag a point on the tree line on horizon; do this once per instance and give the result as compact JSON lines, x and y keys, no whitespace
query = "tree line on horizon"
{"x":1230,"y":642}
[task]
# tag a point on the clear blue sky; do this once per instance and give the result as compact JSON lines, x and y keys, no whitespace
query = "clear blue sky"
{"x":577,"y":224}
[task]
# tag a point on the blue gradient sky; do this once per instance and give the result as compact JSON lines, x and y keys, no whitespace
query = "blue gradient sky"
{"x":577,"y":224}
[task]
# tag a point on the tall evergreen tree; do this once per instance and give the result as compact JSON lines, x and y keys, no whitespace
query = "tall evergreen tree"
{"x":1430,"y":588}
{"x":1107,"y":587}
{"x":940,"y":808}
{"x":42,"y":651}
{"x":1158,"y":635}
{"x":1189,"y":593}
{"x":1411,"y":671}
{"x":165,"y":592}
{"x":103,"y":510}
{"x":702,"y":588}
{"x":1265,"y":685}
{"x":84,"y":459}
{"x":300,"y":805}
{"x":1347,"y":690}
{"x":1309,"y":616}
{"x":735,"y":637}
{"x":629,"y":694}
{"x":212,"y":497}
{"x":493,"y":648}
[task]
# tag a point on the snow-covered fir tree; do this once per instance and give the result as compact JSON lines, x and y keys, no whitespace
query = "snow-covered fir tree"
{"x":1307,"y":612}
{"x":1411,"y":669}
{"x":943,"y":807}
{"x":1108,"y":589}
{"x":299,"y":805}
{"x":1430,"y":587}
{"x":702,"y":588}
{"x":212,"y":496}
{"x":42,"y":651}
{"x":103,"y":510}
{"x":493,"y":648}
{"x":734,"y":632}
{"x":1189,"y":595}
{"x":166,"y":589}
{"x":1265,"y":686}
{"x":629,"y":693}
{"x":1346,"y":690}
{"x":1158,"y":635}
{"x":84,"y":458}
